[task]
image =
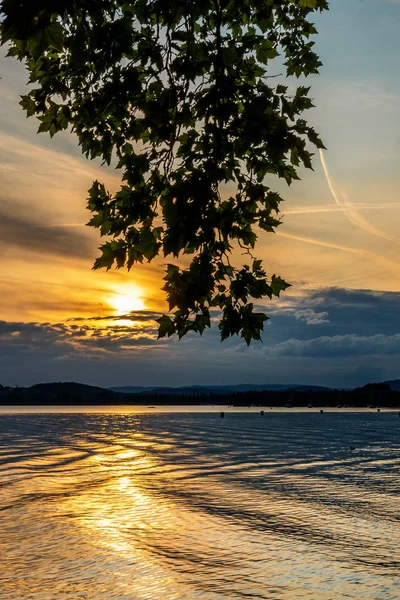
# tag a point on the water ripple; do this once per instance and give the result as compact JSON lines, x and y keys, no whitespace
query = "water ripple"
{"x":186,"y":506}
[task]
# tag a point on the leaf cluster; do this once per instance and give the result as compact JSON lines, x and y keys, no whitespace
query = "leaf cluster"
{"x":183,"y":99}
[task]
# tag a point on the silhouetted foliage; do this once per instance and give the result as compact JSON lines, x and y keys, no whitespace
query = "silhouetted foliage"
{"x":180,"y":96}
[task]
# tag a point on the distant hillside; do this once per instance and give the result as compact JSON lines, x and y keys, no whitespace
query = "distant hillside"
{"x":68,"y":387}
{"x":131,"y":389}
{"x":71,"y":393}
{"x":217,"y":389}
{"x":278,"y":387}
{"x":76,"y":394}
{"x":59,"y":393}
{"x":394,"y":384}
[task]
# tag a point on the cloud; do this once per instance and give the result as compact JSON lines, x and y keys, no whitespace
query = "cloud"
{"x":340,"y":345}
{"x":62,"y":339}
{"x":31,"y":236}
{"x":138,"y":316}
{"x":311,"y":317}
{"x":314,"y":336}
{"x":331,"y":311}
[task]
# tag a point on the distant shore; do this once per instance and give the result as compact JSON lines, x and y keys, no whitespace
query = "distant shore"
{"x":372,"y":396}
{"x":259,"y":412}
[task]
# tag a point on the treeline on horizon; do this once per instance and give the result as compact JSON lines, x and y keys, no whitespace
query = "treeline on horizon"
{"x":73,"y":394}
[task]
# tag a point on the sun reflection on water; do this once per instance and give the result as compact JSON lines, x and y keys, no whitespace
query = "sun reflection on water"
{"x":149,"y":507}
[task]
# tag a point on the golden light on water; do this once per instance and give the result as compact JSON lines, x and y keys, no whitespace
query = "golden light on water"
{"x":145,"y":506}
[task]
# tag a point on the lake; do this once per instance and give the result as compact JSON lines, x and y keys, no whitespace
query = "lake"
{"x":136,"y":504}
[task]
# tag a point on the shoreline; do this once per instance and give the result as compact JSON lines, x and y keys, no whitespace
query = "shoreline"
{"x":190,"y":409}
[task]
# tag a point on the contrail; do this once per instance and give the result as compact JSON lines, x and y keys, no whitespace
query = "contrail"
{"x":62,"y":225}
{"x":385,"y":262}
{"x":317,"y":208}
{"x":350,"y":210}
{"x":309,"y":240}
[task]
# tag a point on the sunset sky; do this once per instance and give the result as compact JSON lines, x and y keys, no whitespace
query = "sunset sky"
{"x":339,"y":245}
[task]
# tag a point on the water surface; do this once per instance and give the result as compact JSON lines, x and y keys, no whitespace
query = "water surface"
{"x":123,"y":505}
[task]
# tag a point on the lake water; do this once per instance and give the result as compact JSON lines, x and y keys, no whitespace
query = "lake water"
{"x":122,"y":505}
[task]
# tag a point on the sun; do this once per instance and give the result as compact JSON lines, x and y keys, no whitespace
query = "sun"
{"x":126,"y":302}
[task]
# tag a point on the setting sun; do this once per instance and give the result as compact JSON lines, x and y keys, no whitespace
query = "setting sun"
{"x":126,"y":301}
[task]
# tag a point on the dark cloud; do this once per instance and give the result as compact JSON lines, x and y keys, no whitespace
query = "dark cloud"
{"x":61,"y":338}
{"x":311,"y":317}
{"x":340,"y":345}
{"x":328,"y":337}
{"x":29,"y":235}
{"x":334,"y":311}
{"x":138,"y":317}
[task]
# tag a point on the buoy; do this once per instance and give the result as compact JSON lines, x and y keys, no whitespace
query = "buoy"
{"x":262,"y":413}
{"x":320,"y":412}
{"x":222,"y":415}
{"x":378,"y":410}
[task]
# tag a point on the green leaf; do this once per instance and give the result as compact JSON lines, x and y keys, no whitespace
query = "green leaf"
{"x":29,"y":105}
{"x":51,"y":36}
{"x":201,"y":322}
{"x":308,"y":4}
{"x":278,"y":285}
{"x":266,"y":51}
{"x":148,"y":245}
{"x":315,"y":139}
{"x":106,"y":259}
{"x":166,"y":326}
{"x":55,"y":36}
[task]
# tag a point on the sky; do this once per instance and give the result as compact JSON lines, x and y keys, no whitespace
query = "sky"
{"x":339,"y":323}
